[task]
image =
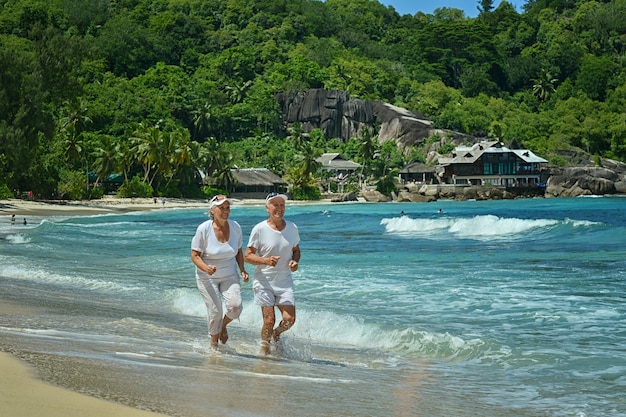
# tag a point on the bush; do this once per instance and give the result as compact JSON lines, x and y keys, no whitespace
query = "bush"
{"x":95,"y":193}
{"x":209,"y":192}
{"x":192,"y":191}
{"x":135,"y":188}
{"x":306,"y":193}
{"x":5,"y":192}
{"x":72,"y":185}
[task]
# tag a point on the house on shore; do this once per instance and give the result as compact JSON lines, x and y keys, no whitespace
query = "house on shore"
{"x":338,"y":170}
{"x":419,"y":173}
{"x":491,"y":163}
{"x":257,"y":182}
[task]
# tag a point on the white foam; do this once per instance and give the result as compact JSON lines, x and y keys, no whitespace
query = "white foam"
{"x":477,"y":227}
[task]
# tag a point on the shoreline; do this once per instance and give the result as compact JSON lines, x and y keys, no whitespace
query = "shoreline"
{"x":25,"y":395}
{"x":39,"y":208}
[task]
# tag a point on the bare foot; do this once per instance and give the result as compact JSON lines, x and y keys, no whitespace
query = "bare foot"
{"x":224,"y":335}
{"x":265,"y":347}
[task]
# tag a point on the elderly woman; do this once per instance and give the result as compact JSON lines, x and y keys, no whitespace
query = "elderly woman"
{"x":274,"y":249}
{"x":216,"y":253}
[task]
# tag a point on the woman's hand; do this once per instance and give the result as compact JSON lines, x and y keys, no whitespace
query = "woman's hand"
{"x":272,"y":260}
{"x":293,"y":265}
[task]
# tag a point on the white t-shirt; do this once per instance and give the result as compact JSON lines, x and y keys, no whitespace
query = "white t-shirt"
{"x":214,"y":252}
{"x":271,"y":242}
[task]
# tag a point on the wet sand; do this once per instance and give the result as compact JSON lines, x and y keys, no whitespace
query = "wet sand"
{"x":25,"y":396}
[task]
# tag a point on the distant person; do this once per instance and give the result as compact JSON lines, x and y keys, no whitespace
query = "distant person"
{"x":154,"y":199}
{"x":12,"y":219}
{"x":163,"y":201}
{"x":216,"y":252}
{"x":25,"y":222}
{"x":274,"y":247}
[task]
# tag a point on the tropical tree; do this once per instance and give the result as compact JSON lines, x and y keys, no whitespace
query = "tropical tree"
{"x":297,"y":136}
{"x":107,"y":158}
{"x":201,"y":121}
{"x":544,"y":85}
{"x":216,"y":162}
{"x":71,"y":128}
{"x":302,"y":173}
{"x":147,"y":143}
{"x":367,"y":149}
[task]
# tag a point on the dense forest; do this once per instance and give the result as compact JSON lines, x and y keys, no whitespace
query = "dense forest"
{"x":152,"y":92}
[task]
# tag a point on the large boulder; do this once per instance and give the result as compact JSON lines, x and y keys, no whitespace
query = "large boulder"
{"x":373,"y":196}
{"x":576,"y":181}
{"x":414,"y":197}
{"x":339,"y":116}
{"x":344,"y":197}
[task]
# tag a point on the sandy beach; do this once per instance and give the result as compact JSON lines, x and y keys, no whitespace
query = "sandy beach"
{"x":25,"y":208}
{"x":110,"y":204}
{"x":25,"y":396}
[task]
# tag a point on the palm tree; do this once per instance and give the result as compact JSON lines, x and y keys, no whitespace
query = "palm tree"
{"x":297,"y":135}
{"x":223,"y":176}
{"x":125,"y":158}
{"x":543,"y":87}
{"x":301,"y":175}
{"x":367,"y":149}
{"x":179,"y":154}
{"x":147,"y":144}
{"x":217,"y":164}
{"x":106,"y":158}
{"x":202,"y":120}
{"x":72,"y":127}
{"x":238,"y":91}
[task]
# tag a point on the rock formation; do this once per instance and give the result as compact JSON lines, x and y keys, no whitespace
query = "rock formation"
{"x":587,"y":180}
{"x":339,"y":116}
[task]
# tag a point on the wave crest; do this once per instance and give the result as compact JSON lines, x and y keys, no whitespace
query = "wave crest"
{"x":477,"y":227}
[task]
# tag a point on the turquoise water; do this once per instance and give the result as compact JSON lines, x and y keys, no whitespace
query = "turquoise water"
{"x":487,"y":308}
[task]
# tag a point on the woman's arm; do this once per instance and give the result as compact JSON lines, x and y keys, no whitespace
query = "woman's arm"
{"x":242,"y":266}
{"x":196,"y":258}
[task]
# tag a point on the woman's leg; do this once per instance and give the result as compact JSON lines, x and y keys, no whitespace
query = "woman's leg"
{"x":231,"y":291}
{"x":269,"y":319}
{"x":210,"y":294}
{"x":289,"y":319}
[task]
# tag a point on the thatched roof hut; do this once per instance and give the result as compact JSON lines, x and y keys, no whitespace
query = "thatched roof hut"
{"x":258,"y":180}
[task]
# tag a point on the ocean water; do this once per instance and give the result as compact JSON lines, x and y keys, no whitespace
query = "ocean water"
{"x":485,"y":308}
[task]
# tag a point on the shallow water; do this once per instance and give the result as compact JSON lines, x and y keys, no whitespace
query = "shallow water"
{"x":488,"y":308}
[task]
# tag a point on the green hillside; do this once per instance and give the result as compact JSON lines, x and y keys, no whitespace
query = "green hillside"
{"x":158,"y":90}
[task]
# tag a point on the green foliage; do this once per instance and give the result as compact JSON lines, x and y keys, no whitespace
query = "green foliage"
{"x":73,"y":185}
{"x":135,"y":188}
{"x":5,"y":192}
{"x":210,"y":192}
{"x":306,"y":193}
{"x":165,"y":89}
{"x":95,"y":193}
{"x":445,"y":149}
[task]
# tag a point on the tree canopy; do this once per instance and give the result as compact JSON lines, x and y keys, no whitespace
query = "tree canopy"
{"x":164,"y":89}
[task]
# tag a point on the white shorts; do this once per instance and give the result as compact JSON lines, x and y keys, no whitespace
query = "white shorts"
{"x":265,"y":297}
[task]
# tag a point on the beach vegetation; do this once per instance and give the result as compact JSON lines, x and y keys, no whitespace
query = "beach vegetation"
{"x":136,"y":187}
{"x":5,"y":192}
{"x":175,"y":94}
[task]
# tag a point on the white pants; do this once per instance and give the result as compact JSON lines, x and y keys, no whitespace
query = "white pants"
{"x":211,"y":289}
